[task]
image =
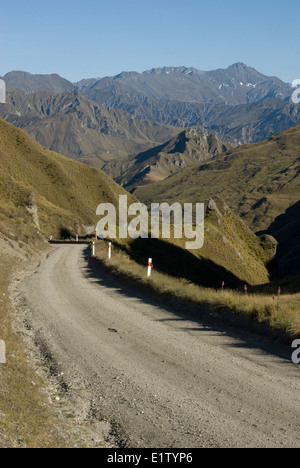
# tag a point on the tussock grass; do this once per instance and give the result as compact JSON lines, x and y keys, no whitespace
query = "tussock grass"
{"x":41,"y":194}
{"x":231,"y":253}
{"x":26,"y":419}
{"x":281,"y":313}
{"x":65,"y":193}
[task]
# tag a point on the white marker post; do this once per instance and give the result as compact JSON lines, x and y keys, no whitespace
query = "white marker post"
{"x":2,"y":352}
{"x":150,"y":266}
{"x":77,"y":239}
{"x":94,"y":249}
{"x":109,"y":251}
{"x":2,"y":92}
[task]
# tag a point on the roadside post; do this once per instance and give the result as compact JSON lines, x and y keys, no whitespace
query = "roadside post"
{"x":150,"y":266}
{"x":94,"y":249}
{"x":77,"y":239}
{"x":2,"y":352}
{"x":109,"y":251}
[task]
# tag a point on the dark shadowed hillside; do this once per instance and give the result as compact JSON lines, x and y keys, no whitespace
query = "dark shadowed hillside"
{"x":286,"y":229}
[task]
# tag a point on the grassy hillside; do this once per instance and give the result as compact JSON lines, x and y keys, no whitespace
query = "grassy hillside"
{"x":41,"y":191}
{"x":259,"y":181}
{"x":41,"y":194}
{"x":231,"y":252}
{"x":190,"y":146}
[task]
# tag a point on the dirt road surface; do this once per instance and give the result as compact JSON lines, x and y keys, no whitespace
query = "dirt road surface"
{"x":160,"y":379}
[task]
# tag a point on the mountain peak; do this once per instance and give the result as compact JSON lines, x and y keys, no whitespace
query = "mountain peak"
{"x":239,"y":66}
{"x":171,"y":70}
{"x":27,"y":83}
{"x":242,"y":68}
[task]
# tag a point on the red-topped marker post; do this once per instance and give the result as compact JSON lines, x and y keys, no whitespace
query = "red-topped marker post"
{"x":150,"y":266}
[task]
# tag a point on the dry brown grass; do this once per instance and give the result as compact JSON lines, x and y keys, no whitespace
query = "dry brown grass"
{"x":66,"y":192}
{"x":281,"y":313}
{"x":26,"y":418}
{"x":36,"y":187}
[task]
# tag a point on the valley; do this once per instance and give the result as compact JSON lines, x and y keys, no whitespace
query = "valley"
{"x":229,"y":138}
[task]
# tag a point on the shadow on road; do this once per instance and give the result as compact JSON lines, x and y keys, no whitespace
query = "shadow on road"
{"x":249,"y":334}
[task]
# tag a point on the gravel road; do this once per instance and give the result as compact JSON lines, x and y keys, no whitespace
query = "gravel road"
{"x":161,"y":379}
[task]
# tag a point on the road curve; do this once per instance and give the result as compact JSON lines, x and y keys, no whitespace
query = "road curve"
{"x":161,"y":379}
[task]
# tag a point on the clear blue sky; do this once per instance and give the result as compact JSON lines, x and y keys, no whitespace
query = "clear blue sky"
{"x":92,"y":38}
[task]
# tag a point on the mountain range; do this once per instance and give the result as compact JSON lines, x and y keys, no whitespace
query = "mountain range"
{"x":161,"y":134}
{"x":239,"y":103}
{"x":238,"y":84}
{"x":26,"y":83}
{"x":76,"y":127}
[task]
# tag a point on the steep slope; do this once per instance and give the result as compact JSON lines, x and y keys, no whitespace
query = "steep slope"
{"x":286,"y":229}
{"x":255,"y":122}
{"x":44,"y":193}
{"x":71,"y":125}
{"x":26,"y":83}
{"x":259,"y":181}
{"x":190,"y":146}
{"x":231,"y":252}
{"x":41,"y":194}
{"x":246,"y":123}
